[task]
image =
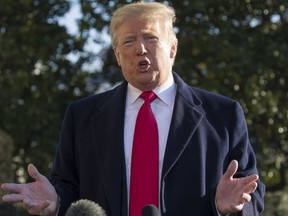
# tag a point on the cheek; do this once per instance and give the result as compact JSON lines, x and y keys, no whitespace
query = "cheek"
{"x":163,"y":53}
{"x":124,"y":57}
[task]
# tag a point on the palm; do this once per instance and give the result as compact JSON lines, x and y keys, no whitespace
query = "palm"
{"x":37,"y":192}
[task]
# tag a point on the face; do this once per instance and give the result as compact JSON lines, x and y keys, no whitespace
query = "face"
{"x":145,"y":53}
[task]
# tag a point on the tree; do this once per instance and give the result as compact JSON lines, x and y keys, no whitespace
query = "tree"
{"x":37,"y":80}
{"x":236,"y":48}
{"x":6,"y":150}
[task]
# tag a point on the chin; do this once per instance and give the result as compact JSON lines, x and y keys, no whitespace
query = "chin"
{"x":148,"y":85}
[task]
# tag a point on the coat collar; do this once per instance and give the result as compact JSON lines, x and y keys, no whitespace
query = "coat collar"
{"x":186,"y":118}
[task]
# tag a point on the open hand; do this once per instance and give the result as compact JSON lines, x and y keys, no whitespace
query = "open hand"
{"x":39,"y":197}
{"x":232,"y":193}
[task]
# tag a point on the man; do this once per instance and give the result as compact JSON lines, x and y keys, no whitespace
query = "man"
{"x":206,"y":163}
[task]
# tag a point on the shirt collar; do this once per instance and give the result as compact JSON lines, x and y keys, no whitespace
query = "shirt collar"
{"x":166,"y":92}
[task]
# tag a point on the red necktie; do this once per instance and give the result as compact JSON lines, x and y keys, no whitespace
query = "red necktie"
{"x":145,"y":162}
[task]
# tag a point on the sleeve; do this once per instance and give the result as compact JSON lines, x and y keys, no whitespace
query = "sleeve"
{"x":64,"y":171}
{"x":242,"y":151}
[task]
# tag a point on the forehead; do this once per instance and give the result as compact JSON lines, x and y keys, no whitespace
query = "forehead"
{"x":136,"y":25}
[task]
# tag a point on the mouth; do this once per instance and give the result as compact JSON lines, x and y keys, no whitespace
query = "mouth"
{"x":143,"y":65}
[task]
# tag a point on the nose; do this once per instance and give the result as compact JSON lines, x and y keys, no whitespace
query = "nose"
{"x":140,"y":49}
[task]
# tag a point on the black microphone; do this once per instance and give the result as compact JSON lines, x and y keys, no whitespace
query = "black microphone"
{"x":84,"y":207}
{"x":150,"y":210}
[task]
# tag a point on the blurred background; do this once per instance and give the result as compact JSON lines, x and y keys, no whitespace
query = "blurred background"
{"x":53,"y":52}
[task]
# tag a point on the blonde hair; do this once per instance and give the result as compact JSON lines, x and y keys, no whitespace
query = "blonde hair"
{"x":146,"y":11}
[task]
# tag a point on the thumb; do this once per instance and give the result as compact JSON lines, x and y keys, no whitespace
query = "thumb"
{"x":34,"y":173}
{"x":231,"y":170}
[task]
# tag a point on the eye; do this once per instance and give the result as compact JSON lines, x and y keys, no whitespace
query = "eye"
{"x":128,"y":41}
{"x":152,"y":38}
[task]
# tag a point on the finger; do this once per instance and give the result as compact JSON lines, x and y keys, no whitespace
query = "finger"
{"x":34,"y":173}
{"x":245,"y":198}
{"x":11,"y":187}
{"x":251,"y":179}
{"x":231,"y":170}
{"x":250,"y":188}
{"x":12,"y":198}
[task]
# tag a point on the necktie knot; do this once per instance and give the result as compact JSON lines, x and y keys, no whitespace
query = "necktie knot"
{"x":148,"y":96}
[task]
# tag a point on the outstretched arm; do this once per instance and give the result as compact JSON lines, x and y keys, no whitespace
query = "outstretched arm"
{"x":38,"y":197}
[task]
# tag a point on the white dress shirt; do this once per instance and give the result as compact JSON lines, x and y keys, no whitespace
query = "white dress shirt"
{"x":162,"y":108}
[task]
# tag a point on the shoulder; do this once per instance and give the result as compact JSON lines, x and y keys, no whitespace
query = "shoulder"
{"x":213,"y":97}
{"x":100,"y":100}
{"x":199,"y":96}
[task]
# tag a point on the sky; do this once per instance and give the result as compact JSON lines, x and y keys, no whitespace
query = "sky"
{"x":70,"y":21}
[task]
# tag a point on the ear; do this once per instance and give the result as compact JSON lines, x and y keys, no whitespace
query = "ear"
{"x":173,"y":50}
{"x":117,"y":55}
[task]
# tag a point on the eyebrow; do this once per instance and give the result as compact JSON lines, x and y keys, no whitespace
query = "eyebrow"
{"x":128,"y":37}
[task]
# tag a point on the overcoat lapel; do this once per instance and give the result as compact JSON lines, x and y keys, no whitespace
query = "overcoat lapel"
{"x":108,"y":129}
{"x":185,"y":120}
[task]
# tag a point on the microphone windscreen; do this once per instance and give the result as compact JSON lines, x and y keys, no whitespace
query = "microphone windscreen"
{"x":84,"y":207}
{"x":150,"y":210}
